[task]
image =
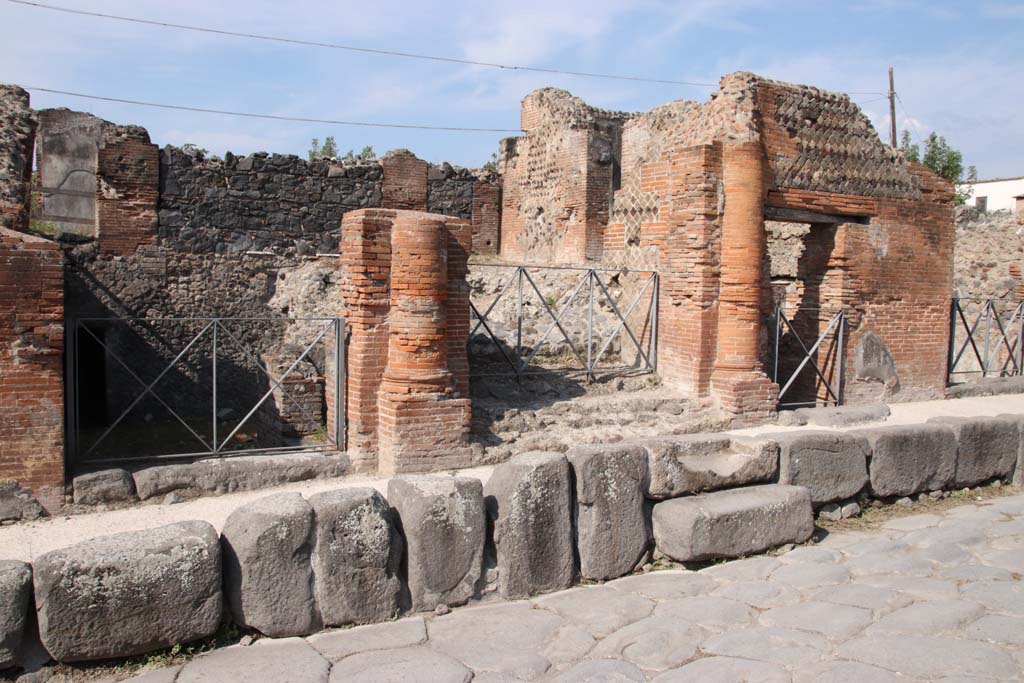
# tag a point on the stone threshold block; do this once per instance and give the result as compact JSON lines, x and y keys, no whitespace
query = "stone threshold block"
{"x":683,"y":465}
{"x":732,"y":523}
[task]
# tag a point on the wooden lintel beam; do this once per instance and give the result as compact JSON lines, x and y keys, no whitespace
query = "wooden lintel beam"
{"x":788,"y":215}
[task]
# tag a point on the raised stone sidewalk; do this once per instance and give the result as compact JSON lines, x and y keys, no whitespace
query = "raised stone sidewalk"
{"x":928,"y":597}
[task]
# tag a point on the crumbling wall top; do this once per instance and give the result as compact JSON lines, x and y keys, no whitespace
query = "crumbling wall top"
{"x":560,"y":108}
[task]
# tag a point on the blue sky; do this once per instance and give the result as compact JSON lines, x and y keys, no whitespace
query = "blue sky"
{"x":958,"y":65}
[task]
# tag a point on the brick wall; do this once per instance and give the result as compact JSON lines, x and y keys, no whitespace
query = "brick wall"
{"x":127,"y":190}
{"x":31,"y":365}
{"x":405,"y":181}
{"x":486,"y":217}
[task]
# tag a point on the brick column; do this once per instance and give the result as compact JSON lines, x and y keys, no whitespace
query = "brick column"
{"x":423,"y":422}
{"x":365,"y":267}
{"x":31,"y":365}
{"x":737,"y":379}
{"x":486,"y":216}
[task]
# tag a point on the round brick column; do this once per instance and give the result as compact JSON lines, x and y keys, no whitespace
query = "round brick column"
{"x":737,"y":380}
{"x":417,"y":340}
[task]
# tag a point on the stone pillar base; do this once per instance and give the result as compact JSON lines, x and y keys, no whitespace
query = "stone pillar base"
{"x":747,"y":394}
{"x":422,"y":433}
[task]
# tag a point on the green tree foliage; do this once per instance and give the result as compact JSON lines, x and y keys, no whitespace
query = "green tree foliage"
{"x":328,"y":150}
{"x":941,"y":158}
{"x":492,"y":165}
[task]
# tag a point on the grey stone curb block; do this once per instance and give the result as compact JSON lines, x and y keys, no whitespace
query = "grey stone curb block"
{"x":356,"y":558}
{"x":986,"y":448}
{"x":910,"y":459}
{"x":732,"y":523}
{"x":444,"y":524}
{"x":106,"y":486}
{"x":529,"y":501}
{"x":706,"y":462}
{"x":835,"y":416}
{"x":611,"y":533}
{"x":1018,"y":469}
{"x":129,"y":593}
{"x":831,"y":465}
{"x":268,"y":576}
{"x":15,"y":591}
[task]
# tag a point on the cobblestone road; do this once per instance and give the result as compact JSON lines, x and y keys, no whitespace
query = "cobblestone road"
{"x":928,"y":597}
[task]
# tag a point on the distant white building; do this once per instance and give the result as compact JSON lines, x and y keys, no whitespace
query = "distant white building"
{"x":997,"y":194}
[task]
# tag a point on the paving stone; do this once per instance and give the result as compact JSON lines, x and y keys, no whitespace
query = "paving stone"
{"x":612,"y":534}
{"x":1010,"y":560}
{"x":357,"y":555}
{"x":909,"y":459}
{"x":443,"y":521}
{"x":830,"y":620}
{"x":529,"y":501}
{"x":694,"y":463}
{"x":998,"y":628}
{"x":759,"y":594}
{"x":396,"y":666}
{"x":286,"y":660}
{"x":732,"y":523}
{"x":129,"y":593}
{"x":946,"y":554}
{"x":900,"y":562}
{"x":931,"y":616}
{"x":710,"y":612}
{"x":975,"y":572}
{"x":167,"y":674}
{"x":999,"y":596}
{"x":912,"y":522}
{"x":748,"y":569}
{"x":812,"y":554}
{"x":874,"y":545}
{"x":335,"y":645}
{"x":504,"y":638}
{"x":845,"y":672}
{"x":601,"y":671}
{"x":15,"y":592}
{"x":268,"y":577}
{"x":986,"y":448}
{"x":914,"y":586}
{"x":725,"y":670}
{"x":787,"y":647}
{"x":831,"y":465}
{"x":598,"y":609}
{"x":664,"y":585}
{"x":843,"y":416}
{"x":881,"y":600}
{"x":656,"y":643}
{"x":931,"y":658}
{"x":811,"y":575}
{"x":568,"y":645}
{"x":967,"y":536}
{"x":113,"y":485}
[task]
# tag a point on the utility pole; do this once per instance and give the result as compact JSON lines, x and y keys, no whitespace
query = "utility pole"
{"x":892,"y":109}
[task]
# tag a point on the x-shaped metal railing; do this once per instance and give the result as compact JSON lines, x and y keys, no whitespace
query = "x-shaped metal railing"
{"x":520,"y":358}
{"x":1007,"y":333}
{"x":218,"y":332}
{"x":809,"y":356}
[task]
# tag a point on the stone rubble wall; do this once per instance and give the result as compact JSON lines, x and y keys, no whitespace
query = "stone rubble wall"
{"x":17,"y":137}
{"x":545,"y":510}
{"x":988,"y":256}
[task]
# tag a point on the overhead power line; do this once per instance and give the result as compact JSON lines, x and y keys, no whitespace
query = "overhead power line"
{"x":274,"y":117}
{"x":353,"y":48}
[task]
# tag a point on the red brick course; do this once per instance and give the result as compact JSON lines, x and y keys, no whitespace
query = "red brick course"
{"x":405,"y":181}
{"x":127,"y":191}
{"x":31,"y":365}
{"x":486,"y":217}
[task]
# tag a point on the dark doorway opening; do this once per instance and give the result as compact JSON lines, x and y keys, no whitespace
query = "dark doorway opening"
{"x":92,"y":378}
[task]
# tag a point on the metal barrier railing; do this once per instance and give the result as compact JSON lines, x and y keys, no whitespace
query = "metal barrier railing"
{"x":587,"y":354}
{"x":828,"y":367}
{"x":992,"y":330}
{"x":201,"y":360}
